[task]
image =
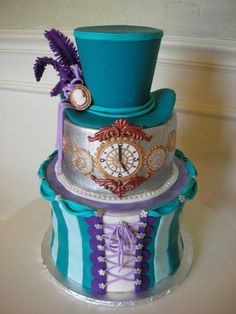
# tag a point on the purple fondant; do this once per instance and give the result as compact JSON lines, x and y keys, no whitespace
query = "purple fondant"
{"x":99,"y":282}
{"x":132,"y":207}
{"x":140,"y":277}
{"x":96,"y":289}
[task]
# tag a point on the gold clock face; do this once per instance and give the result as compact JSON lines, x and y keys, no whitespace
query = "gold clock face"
{"x":119,"y":159}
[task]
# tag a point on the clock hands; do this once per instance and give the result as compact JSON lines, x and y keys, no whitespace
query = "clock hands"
{"x":120,"y":157}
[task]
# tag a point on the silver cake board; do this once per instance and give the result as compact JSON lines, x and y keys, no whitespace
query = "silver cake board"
{"x":119,"y":299}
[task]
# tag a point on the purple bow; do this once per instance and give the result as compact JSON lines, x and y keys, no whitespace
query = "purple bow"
{"x":78,"y":78}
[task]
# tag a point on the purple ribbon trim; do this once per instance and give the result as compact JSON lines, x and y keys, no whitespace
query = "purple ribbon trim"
{"x":78,"y":79}
{"x":98,"y":270}
{"x":62,"y":106}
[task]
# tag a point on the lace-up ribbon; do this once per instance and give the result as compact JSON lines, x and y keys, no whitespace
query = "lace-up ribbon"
{"x":120,"y":241}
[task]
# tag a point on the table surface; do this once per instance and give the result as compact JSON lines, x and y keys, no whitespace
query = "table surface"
{"x":27,"y":288}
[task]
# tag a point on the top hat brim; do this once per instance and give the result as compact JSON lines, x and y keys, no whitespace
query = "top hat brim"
{"x":164,"y":101}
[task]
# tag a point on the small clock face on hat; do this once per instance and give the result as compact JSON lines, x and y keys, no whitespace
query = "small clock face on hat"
{"x":119,"y":159}
{"x":80,"y":97}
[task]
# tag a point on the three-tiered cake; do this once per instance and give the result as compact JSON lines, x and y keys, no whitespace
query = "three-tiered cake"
{"x":117,"y":184}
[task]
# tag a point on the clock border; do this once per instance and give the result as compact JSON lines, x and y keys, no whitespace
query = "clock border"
{"x":117,"y":140}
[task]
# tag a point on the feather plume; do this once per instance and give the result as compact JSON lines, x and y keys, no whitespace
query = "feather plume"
{"x":62,"y":47}
{"x":40,"y":66}
{"x":56,"y":89}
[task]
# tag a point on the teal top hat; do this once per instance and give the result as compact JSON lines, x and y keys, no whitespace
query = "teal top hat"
{"x":118,"y":64}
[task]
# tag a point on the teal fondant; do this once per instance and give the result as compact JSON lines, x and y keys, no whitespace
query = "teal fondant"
{"x":128,"y":112}
{"x":77,"y":209}
{"x":62,"y":256}
{"x":151,"y":248}
{"x":53,"y":233}
{"x":188,"y":191}
{"x":173,"y":250}
{"x":118,"y":73}
{"x":48,"y":193}
{"x":87,"y":251}
{"x":163,"y":100}
{"x":118,"y":32}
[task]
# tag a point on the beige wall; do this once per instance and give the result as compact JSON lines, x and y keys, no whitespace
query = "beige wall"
{"x":194,"y":18}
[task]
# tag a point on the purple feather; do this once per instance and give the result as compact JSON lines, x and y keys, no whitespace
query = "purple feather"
{"x":66,"y":55}
{"x":64,"y":73}
{"x":40,"y":65}
{"x":63,"y":48}
{"x":56,"y":89}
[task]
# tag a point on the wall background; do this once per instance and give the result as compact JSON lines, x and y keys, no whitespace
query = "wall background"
{"x":197,"y":58}
{"x":194,"y":18}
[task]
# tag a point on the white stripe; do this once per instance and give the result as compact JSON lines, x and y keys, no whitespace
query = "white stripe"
{"x":75,"y":256}
{"x":161,"y":260}
{"x":55,"y":242}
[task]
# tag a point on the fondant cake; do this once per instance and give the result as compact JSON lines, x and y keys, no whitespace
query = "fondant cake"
{"x":116,"y":183}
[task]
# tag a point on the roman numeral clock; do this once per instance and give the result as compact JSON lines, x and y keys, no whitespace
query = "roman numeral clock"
{"x":120,"y":157}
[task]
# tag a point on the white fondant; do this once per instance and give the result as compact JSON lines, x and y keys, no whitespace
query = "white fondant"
{"x":79,"y":97}
{"x":161,"y":262}
{"x":55,"y":240}
{"x":75,"y":259}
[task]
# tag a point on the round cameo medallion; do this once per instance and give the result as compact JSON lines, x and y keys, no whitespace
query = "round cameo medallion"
{"x":80,"y":97}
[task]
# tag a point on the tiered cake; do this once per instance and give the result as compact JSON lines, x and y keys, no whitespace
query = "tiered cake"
{"x":116,"y":184}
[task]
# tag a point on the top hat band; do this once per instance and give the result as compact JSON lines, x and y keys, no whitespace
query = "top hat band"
{"x":128,"y":112}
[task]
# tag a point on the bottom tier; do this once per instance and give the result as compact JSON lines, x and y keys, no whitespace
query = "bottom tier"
{"x":118,"y":251}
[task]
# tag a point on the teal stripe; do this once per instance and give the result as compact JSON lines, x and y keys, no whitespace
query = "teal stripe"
{"x":53,"y":233}
{"x":173,"y":251}
{"x":161,"y":261}
{"x":75,"y":262}
{"x":87,"y":251}
{"x":151,"y":248}
{"x":62,"y":256}
{"x":54,"y":250}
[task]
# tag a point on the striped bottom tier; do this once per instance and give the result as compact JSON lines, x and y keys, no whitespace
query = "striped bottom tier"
{"x":107,"y":252}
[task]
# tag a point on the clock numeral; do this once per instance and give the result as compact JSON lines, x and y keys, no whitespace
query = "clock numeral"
{"x":119,"y":175}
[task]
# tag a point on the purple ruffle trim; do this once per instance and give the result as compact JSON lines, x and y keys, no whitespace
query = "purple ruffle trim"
{"x":142,"y":254}
{"x":98,"y":255}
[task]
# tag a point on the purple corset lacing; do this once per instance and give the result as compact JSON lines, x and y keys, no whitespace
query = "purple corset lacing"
{"x":120,"y":242}
{"x":121,"y":248}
